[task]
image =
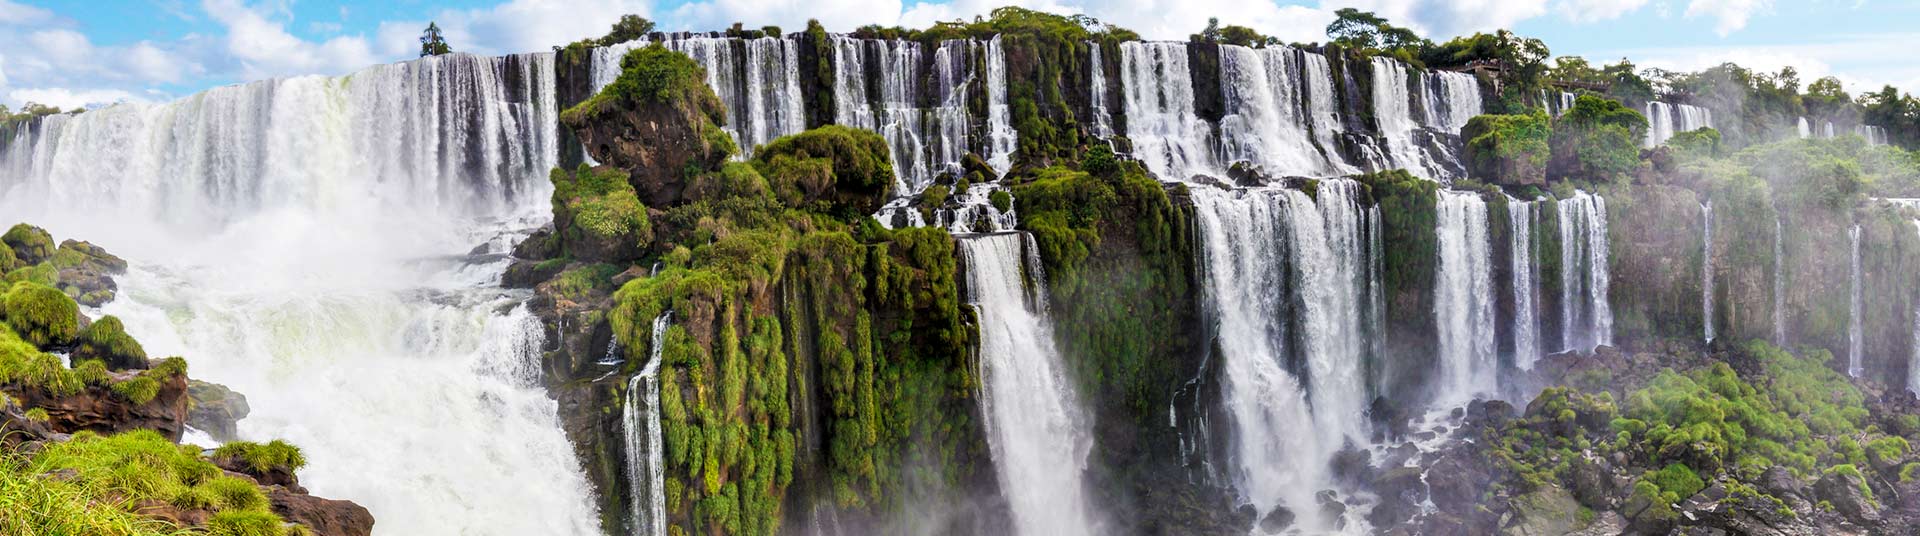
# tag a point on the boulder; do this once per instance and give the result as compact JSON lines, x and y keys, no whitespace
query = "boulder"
{"x":655,"y":121}
{"x":215,"y":409}
{"x":1846,"y":491}
{"x":1276,"y":520}
{"x":106,"y":339}
{"x":1352,"y":466}
{"x":1401,"y":491}
{"x":1550,"y":510}
{"x":30,"y":244}
{"x":99,"y":409}
{"x":322,"y":517}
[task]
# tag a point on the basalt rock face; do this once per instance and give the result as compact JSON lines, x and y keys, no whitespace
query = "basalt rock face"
{"x":323,"y":517}
{"x":215,"y":409}
{"x":1655,"y":233}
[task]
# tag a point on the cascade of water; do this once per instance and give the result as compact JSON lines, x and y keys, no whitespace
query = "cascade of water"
{"x":1392,"y":109}
{"x":1855,"y":311}
{"x":924,"y":140}
{"x":1452,"y":99}
{"x":1463,"y":298}
{"x":1526,"y":324}
{"x":1706,"y":268}
{"x":1779,"y":282}
{"x":1267,"y":122}
{"x":1913,"y":360}
{"x":1039,"y":438}
{"x":975,"y":212}
{"x":455,"y":131}
{"x":1290,"y":282}
{"x":1803,"y":128}
{"x":640,"y":422}
{"x":1664,"y":120}
{"x":1001,"y":138}
{"x":1874,"y":135}
{"x":1586,"y":315}
{"x":1827,"y":131}
{"x":1097,"y":92}
{"x":259,"y":221}
{"x":1157,"y":87}
{"x":758,"y":80}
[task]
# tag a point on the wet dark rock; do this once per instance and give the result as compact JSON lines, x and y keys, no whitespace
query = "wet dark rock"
{"x":1846,"y":493}
{"x":216,"y":409}
{"x":1276,"y":520}
{"x":1352,"y":466}
{"x":322,"y":517}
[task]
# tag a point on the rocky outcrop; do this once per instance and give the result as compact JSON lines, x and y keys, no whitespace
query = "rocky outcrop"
{"x":654,"y":122}
{"x":322,"y":517}
{"x":215,"y":409}
{"x":102,"y":410}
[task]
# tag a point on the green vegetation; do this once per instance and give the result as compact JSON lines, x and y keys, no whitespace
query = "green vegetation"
{"x":1595,"y":141}
{"x":266,"y":457}
{"x":29,"y":244}
{"x":1117,"y":255}
{"x":432,"y":43}
{"x":107,"y":340}
{"x":41,"y":314}
{"x":1511,"y":148}
{"x":118,"y":472}
{"x":40,"y":505}
{"x":598,"y":216}
{"x":653,"y":74}
{"x":833,"y":170}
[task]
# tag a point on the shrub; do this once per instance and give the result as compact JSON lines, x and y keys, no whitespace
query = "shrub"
{"x":1508,"y":149}
{"x":831,"y":169}
{"x":229,"y":493}
{"x":42,"y":315}
{"x":1595,"y":140}
{"x":92,"y":372}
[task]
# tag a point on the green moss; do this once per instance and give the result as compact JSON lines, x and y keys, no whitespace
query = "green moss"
{"x":92,"y":372}
{"x":598,"y":214}
{"x":266,"y":457}
{"x":107,"y":340}
{"x":832,"y":169}
{"x":650,"y":74}
{"x":29,"y":244}
{"x":167,"y":368}
{"x":41,"y":314}
{"x":8,"y":261}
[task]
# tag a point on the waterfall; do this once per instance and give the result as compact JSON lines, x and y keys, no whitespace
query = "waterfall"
{"x":1038,"y":434}
{"x":1913,"y":359}
{"x":1526,"y":324}
{"x":1001,"y":138}
{"x":1874,"y":135}
{"x":1097,"y":92}
{"x":1392,"y":109}
{"x":1291,"y":284}
{"x":1803,"y":129}
{"x":1779,"y":282}
{"x":1706,"y":268}
{"x":1452,"y":99}
{"x":1664,"y":120}
{"x":1586,"y":315}
{"x":1828,"y":131}
{"x":1855,"y":310}
{"x":1556,"y":105}
{"x":1157,"y":88}
{"x":757,"y":79}
{"x":1269,"y":121}
{"x":1463,"y":298}
{"x":973,"y":209}
{"x":260,"y":224}
{"x":646,"y":465}
{"x":925,"y":141}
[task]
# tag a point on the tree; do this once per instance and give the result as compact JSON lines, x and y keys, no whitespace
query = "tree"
{"x":431,"y":43}
{"x":1353,"y":28}
{"x":1596,"y":140}
{"x":628,"y":28}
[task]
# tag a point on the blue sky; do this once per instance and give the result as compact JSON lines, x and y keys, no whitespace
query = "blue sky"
{"x":73,"y":52}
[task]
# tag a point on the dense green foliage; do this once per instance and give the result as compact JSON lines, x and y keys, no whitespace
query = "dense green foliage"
{"x":833,"y":169}
{"x":1595,"y":141}
{"x":596,"y":211}
{"x":654,"y":74}
{"x":29,"y":244}
{"x":120,"y":471}
{"x":1118,"y":257}
{"x":1512,"y":148}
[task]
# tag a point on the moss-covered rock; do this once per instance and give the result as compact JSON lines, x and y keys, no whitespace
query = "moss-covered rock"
{"x":597,"y":216}
{"x":215,"y":409}
{"x":107,"y":340}
{"x":831,"y":169}
{"x":42,"y":315}
{"x":658,"y":121}
{"x":1508,"y":150}
{"x":30,"y":244}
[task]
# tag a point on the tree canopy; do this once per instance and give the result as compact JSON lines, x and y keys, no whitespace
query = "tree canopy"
{"x":432,"y":43}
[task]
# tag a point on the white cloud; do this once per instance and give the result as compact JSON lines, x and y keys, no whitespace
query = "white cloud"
{"x":3,"y":70}
{"x":263,"y":48}
{"x":834,"y":15}
{"x":14,"y":13}
{"x":1730,"y":15}
{"x":66,"y":47}
{"x":1859,"y":60}
{"x":67,"y":99}
{"x":1598,"y":10}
